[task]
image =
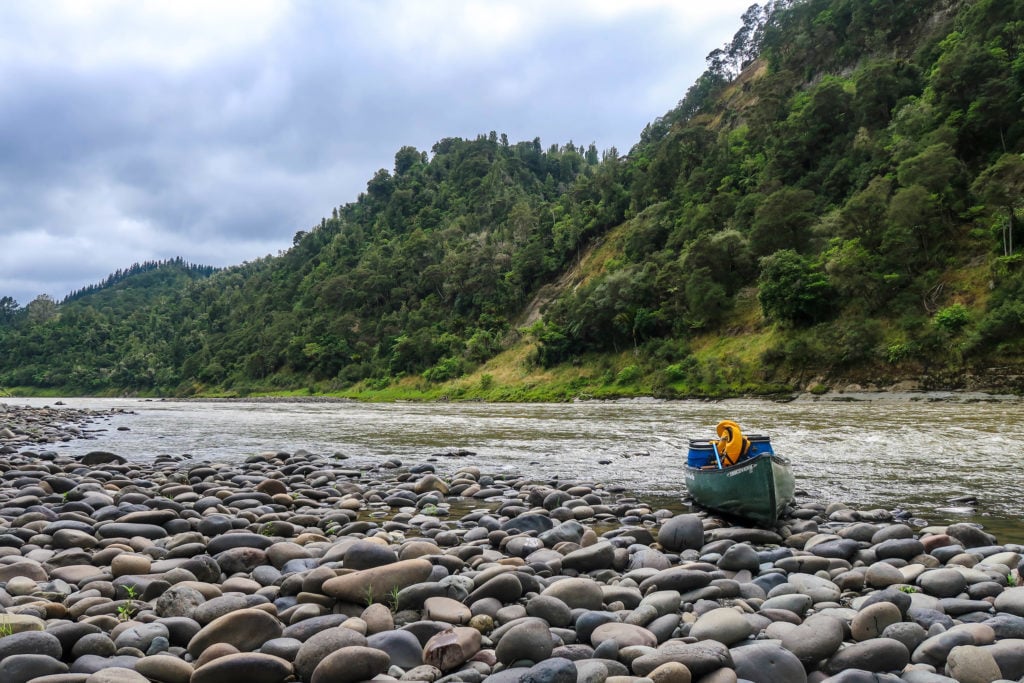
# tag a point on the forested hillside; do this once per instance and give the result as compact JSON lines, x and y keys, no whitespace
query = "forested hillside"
{"x":833,"y":201}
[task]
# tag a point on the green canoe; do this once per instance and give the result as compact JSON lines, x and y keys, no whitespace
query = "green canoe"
{"x":756,"y":489}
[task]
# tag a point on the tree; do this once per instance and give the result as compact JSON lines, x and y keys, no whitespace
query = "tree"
{"x":936,"y":169}
{"x":706,"y":300}
{"x":916,"y":226}
{"x":1002,"y":185}
{"x":783,"y":221}
{"x":41,"y":309}
{"x":853,"y":273}
{"x":406,"y":158}
{"x":792,"y":289}
{"x":8,"y":309}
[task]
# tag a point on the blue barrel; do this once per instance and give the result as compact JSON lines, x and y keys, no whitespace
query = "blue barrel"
{"x":759,"y":444}
{"x":701,"y":454}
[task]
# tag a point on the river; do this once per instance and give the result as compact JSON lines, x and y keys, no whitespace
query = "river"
{"x":909,"y":451}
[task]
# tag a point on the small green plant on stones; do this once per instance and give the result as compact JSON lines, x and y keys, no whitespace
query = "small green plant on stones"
{"x":128,"y":609}
{"x":908,"y":589}
{"x":393,"y":598}
{"x":6,"y":628}
{"x":1011,"y":580}
{"x":369,"y":595}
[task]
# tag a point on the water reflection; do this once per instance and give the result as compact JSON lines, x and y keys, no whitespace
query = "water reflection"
{"x":909,"y":451}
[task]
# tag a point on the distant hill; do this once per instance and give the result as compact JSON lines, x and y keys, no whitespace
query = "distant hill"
{"x":147,"y":281}
{"x":835,"y":201}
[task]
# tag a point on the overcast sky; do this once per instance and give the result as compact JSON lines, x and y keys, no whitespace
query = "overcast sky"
{"x":134,"y":131}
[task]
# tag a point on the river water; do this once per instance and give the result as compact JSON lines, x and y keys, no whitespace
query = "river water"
{"x":909,"y":451}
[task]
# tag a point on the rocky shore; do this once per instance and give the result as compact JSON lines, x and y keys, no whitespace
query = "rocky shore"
{"x":298,"y":567}
{"x":21,"y":425}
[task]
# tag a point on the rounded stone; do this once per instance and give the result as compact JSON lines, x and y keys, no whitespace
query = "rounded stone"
{"x":970,"y":535}
{"x":909,"y":633}
{"x":377,"y":618}
{"x":598,"y":556}
{"x":768,"y":663}
{"x":815,"y":640}
{"x":350,"y":664}
{"x":24,"y":667}
{"x":403,"y":647}
{"x":797,"y":603}
{"x":529,"y":640}
{"x":127,"y":564}
{"x":883,"y":575}
{"x":550,"y":609}
{"x":876,"y":655}
{"x":243,"y":667}
{"x":972,"y":664}
{"x":942,"y":583}
{"x":899,"y":548}
{"x":364,"y":554}
{"x":245,"y":629}
{"x":577,"y":592}
{"x":505,"y":587}
{"x":624,"y":635}
{"x":553,"y":670}
{"x":451,"y":648}
{"x":141,"y":636}
{"x":165,"y":668}
{"x":679,"y":579}
{"x":447,"y":610}
{"x":682,"y":532}
{"x":362,"y":587}
{"x":21,"y":585}
{"x":94,"y":644}
{"x":117,"y":675}
{"x":871,"y":620}
{"x":1011,"y":601}
{"x":739,"y":557}
{"x":318,"y":646}
{"x":724,"y":624}
{"x":178,"y":601}
{"x":671,"y":672}
{"x":30,"y":642}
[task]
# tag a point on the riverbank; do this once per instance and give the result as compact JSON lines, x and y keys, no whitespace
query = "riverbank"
{"x":22,"y":425}
{"x":512,"y":377}
{"x":299,"y":565}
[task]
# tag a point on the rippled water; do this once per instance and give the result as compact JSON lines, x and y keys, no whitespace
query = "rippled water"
{"x":914,"y":451}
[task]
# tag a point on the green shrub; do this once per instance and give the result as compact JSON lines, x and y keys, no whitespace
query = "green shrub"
{"x":446,"y":369}
{"x":952,"y":318}
{"x":675,"y":372}
{"x":628,"y":374}
{"x":898,"y":351}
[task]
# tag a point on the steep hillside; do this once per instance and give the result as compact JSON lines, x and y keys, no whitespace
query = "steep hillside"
{"x":857,"y":181}
{"x":834,"y":201}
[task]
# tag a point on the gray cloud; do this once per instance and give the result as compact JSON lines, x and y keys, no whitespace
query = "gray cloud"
{"x":136,"y":131}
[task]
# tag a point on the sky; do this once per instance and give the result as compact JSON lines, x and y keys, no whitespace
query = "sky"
{"x":138,"y":130}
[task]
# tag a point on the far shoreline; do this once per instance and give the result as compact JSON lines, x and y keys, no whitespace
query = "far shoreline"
{"x":853,"y":395}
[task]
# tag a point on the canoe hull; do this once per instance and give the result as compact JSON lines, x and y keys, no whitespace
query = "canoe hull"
{"x":757,"y":489}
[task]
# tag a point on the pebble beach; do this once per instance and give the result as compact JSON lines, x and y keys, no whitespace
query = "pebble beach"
{"x":297,"y":566}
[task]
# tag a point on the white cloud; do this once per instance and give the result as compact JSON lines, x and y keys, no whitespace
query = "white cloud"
{"x":135,"y":130}
{"x":173,"y":35}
